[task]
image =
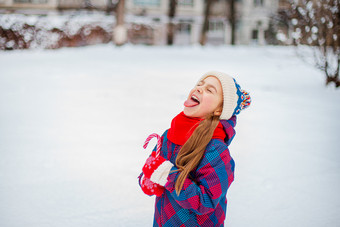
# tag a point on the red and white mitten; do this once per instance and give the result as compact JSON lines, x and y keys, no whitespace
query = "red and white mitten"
{"x":157,"y":169}
{"x":150,"y":188}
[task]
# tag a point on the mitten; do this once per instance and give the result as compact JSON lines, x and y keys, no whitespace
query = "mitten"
{"x":150,"y":188}
{"x":157,"y":169}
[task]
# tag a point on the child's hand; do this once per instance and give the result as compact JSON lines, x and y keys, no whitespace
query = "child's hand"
{"x":157,"y":169}
{"x":150,"y":188}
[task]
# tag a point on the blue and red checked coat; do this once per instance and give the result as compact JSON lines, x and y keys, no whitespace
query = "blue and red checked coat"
{"x":202,"y":201}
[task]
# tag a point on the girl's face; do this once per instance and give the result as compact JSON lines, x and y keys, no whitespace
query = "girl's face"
{"x":206,"y":98}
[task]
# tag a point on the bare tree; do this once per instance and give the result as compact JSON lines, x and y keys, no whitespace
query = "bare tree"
{"x":317,"y":25}
{"x":120,"y":31}
{"x":232,"y":20}
{"x":171,"y":26}
{"x":205,"y":27}
{"x":231,"y":16}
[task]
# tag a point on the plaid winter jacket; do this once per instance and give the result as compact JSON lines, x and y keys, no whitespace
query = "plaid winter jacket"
{"x":202,"y":201}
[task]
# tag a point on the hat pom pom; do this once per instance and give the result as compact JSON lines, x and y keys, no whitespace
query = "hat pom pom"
{"x":246,"y":100}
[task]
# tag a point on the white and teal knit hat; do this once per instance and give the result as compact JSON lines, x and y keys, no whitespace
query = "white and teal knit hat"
{"x":234,"y":98}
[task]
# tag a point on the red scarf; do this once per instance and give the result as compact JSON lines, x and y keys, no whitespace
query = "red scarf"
{"x":183,"y":126}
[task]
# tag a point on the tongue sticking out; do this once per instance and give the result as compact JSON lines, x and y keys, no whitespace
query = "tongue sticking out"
{"x":190,"y":103}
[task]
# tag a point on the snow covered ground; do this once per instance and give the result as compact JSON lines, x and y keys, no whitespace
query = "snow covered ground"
{"x":73,"y":121}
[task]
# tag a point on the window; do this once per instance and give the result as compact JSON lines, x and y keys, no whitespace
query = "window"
{"x":186,"y":2}
{"x":184,"y":26}
{"x":31,"y":1}
{"x":258,"y":2}
{"x":215,"y":26}
{"x":147,"y":2}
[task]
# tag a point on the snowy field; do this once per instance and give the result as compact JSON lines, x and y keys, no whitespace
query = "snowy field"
{"x":73,"y":122}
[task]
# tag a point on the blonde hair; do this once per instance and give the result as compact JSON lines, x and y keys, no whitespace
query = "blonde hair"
{"x":193,"y":150}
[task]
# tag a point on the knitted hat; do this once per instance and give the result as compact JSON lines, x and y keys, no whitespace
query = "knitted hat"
{"x":234,"y":98}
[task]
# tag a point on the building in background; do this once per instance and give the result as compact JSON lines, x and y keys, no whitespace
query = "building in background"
{"x":254,"y":20}
{"x":38,"y":5}
{"x":147,"y":19}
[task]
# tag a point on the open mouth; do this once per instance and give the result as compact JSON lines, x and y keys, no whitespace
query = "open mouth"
{"x":192,"y":101}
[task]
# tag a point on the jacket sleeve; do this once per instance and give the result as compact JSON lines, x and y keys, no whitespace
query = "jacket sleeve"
{"x":213,"y":177}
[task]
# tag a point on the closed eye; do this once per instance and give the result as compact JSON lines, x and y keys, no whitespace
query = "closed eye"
{"x":211,"y":89}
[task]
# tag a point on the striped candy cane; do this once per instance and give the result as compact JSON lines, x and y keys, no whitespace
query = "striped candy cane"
{"x":159,"y":142}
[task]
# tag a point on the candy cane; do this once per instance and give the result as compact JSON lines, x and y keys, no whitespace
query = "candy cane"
{"x":159,"y":142}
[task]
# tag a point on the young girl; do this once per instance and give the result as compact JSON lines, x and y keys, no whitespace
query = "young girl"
{"x":194,"y":170}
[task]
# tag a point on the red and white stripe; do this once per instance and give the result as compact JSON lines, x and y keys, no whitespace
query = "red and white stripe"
{"x":159,"y":142}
